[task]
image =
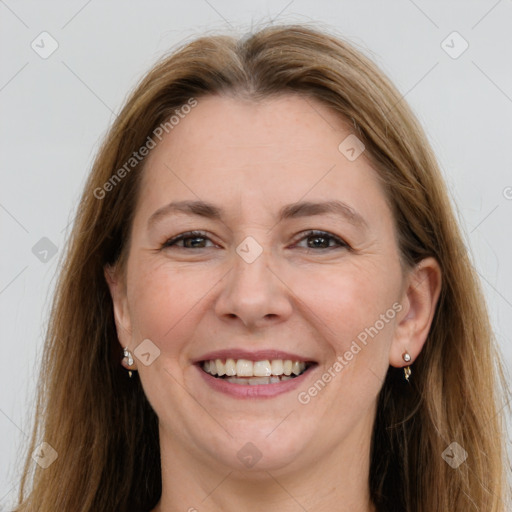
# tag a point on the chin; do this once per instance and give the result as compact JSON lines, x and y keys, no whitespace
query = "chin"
{"x":262,"y":448}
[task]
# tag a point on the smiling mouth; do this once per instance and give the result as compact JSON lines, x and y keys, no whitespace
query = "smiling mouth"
{"x":246,"y":372}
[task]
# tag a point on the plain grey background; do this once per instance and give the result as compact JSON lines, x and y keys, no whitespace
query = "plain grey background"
{"x":56,"y":108}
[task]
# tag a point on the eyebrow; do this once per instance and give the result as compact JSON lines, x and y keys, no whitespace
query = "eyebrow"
{"x":293,"y":210}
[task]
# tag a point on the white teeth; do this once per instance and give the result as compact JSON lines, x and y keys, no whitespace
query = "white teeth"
{"x":245,"y":368}
{"x":262,"y":369}
{"x":277,"y":367}
{"x":296,"y":369}
{"x":254,"y":381}
{"x":221,"y":370}
{"x":230,"y":367}
{"x":236,"y":380}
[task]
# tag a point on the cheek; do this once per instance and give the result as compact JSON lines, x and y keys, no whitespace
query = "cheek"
{"x":349,"y":299}
{"x":163,"y":298}
{"x":152,"y":294}
{"x":355,"y":321}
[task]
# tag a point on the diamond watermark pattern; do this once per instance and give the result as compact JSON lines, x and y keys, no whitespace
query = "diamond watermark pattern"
{"x":454,"y":45}
{"x":351,"y":147}
{"x":44,"y":250}
{"x":44,"y":45}
{"x":249,"y":250}
{"x":147,"y":352}
{"x":249,"y":455}
{"x":44,"y":455}
{"x":454,"y":455}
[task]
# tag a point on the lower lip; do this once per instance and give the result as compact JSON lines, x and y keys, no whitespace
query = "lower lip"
{"x":256,"y":390}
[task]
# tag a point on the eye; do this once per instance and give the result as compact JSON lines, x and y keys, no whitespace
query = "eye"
{"x":321,"y":240}
{"x":194,"y":237}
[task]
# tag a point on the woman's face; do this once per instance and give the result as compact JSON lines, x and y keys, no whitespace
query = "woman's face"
{"x":257,"y":286}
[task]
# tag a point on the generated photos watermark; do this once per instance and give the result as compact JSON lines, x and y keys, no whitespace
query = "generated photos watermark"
{"x":143,"y":151}
{"x":304,"y":397}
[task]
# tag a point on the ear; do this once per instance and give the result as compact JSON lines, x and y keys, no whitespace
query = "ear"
{"x":117,"y":286}
{"x":421,"y":293}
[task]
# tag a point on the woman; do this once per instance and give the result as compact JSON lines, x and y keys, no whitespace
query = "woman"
{"x":266,"y":245}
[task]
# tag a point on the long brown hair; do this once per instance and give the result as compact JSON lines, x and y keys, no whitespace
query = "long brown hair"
{"x":99,"y":421}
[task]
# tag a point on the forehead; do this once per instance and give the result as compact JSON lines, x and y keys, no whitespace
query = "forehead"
{"x":267,"y":153}
{"x":267,"y":128}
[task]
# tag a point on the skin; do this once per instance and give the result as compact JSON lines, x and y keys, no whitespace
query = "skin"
{"x":251,"y":159}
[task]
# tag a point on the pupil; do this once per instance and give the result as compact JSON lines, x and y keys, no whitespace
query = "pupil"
{"x":192,"y":240}
{"x":316,"y":238}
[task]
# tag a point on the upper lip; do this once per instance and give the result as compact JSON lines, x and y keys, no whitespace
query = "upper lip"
{"x":258,"y":355}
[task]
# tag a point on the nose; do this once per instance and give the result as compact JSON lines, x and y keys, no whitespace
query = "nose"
{"x":254,"y":293}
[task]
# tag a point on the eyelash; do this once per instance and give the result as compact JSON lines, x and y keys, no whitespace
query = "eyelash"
{"x":307,"y":234}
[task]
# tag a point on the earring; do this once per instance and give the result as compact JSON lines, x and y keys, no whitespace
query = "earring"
{"x":407,"y":370}
{"x":128,"y":355}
